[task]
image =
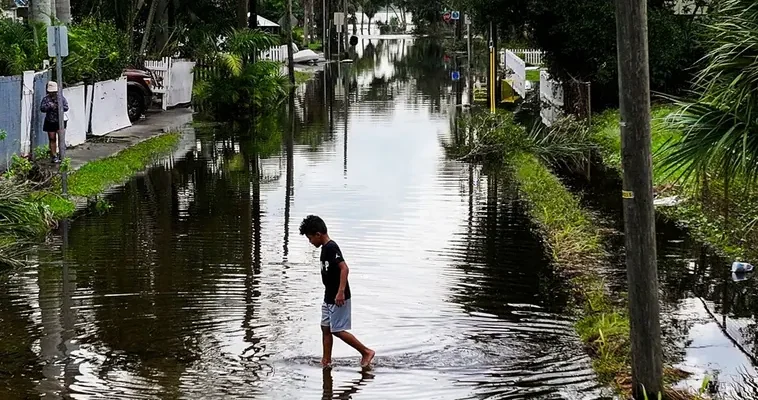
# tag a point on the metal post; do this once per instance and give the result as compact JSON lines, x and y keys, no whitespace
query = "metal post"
{"x":637,"y":193}
{"x":470,"y":69}
{"x":323,"y":36}
{"x":61,"y":122}
{"x":344,"y":29}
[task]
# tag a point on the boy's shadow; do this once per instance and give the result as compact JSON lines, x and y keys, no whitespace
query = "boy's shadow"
{"x":346,"y":391}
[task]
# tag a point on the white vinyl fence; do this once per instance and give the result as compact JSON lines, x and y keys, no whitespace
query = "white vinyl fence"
{"x":518,"y":68}
{"x":530,"y":56}
{"x":174,"y":80}
{"x":551,"y":98}
{"x":278,"y":53}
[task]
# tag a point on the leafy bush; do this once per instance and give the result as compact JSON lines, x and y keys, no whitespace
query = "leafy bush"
{"x":579,"y":40}
{"x":230,"y":87}
{"x":97,"y":49}
{"x":22,"y":47}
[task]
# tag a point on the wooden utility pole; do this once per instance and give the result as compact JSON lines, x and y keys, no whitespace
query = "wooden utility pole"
{"x":639,"y":214}
{"x":290,"y":53}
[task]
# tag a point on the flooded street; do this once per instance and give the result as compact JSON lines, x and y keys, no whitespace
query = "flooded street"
{"x":196,"y":284}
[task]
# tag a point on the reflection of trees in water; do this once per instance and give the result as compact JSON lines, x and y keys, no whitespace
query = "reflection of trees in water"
{"x":171,"y":238}
{"x":19,"y":369}
{"x":501,"y":258}
{"x":418,"y":62}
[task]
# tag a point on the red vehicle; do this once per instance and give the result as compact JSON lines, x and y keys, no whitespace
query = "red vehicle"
{"x":139,"y":92}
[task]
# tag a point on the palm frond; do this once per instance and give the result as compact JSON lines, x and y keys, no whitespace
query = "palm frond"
{"x":719,"y":127}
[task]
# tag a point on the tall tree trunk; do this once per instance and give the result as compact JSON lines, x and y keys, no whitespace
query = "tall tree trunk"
{"x":162,"y":37}
{"x":148,"y":27}
{"x":290,"y":53}
{"x":63,"y":11}
{"x":39,"y":11}
{"x":306,"y":23}
{"x":242,"y":10}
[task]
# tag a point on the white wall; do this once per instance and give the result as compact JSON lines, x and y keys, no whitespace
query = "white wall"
{"x":180,"y":86}
{"x":76,"y":130}
{"x":27,"y":108}
{"x":109,"y":107}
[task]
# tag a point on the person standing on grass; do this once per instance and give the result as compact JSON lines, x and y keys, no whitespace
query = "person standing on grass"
{"x":335,"y":311}
{"x":49,"y":106}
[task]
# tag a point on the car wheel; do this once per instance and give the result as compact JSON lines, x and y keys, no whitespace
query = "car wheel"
{"x":135,"y":105}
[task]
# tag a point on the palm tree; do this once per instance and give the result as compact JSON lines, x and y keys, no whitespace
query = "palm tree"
{"x":720,"y":126}
{"x":63,"y":11}
{"x":40,"y":11}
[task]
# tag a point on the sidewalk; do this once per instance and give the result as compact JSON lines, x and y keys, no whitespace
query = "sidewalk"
{"x":105,"y":146}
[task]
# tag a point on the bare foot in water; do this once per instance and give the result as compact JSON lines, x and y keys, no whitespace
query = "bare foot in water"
{"x":367,"y":358}
{"x":326,"y":363}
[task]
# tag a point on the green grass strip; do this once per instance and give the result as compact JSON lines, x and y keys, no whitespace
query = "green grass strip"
{"x":533,"y":75}
{"x":95,"y":177}
{"x":576,"y":247}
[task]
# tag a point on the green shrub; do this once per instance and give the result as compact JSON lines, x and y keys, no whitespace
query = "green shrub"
{"x":97,"y":49}
{"x":230,"y":87}
{"x":22,"y":47}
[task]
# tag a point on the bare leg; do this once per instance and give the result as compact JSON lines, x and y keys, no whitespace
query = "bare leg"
{"x":367,"y":355}
{"x":326,"y":336}
{"x":53,"y":136}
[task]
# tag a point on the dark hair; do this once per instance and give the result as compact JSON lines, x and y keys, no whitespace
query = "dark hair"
{"x":312,"y":225}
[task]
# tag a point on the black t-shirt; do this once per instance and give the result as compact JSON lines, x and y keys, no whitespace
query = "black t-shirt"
{"x":331,"y":257}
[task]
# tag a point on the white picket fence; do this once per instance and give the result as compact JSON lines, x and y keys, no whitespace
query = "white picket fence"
{"x":278,"y":53}
{"x":174,"y":79}
{"x":517,"y":67}
{"x":530,"y":56}
{"x":551,"y":98}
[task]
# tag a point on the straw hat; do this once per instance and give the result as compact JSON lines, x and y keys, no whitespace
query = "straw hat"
{"x":52,"y":87}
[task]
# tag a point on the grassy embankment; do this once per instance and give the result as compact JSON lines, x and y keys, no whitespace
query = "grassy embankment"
{"x":572,"y":237}
{"x":705,"y":203}
{"x":93,"y":178}
{"x":26,"y":215}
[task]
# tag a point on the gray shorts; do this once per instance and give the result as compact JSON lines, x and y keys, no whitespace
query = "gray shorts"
{"x":336,"y":318}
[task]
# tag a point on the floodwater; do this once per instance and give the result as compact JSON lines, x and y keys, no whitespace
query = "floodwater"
{"x":196,"y":283}
{"x":708,"y":315}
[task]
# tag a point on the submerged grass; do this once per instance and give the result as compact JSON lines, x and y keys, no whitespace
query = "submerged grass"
{"x":21,"y":221}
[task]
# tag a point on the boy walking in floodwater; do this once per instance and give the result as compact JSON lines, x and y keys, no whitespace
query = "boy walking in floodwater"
{"x":335,"y":311}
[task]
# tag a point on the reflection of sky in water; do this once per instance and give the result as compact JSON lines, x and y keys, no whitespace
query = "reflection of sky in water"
{"x":709,"y":349}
